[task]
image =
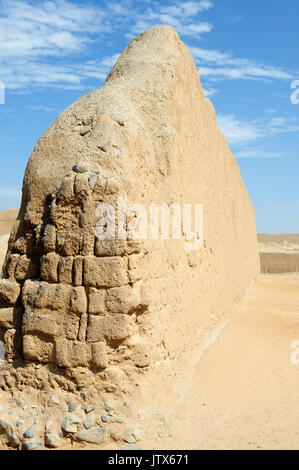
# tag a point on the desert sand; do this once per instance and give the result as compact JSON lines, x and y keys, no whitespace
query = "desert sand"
{"x":7,"y":219}
{"x":279,"y":253}
{"x":243,"y":390}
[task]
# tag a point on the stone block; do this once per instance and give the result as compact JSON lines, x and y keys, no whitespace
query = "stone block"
{"x":49,"y":238}
{"x":112,"y":328}
{"x":105,"y":272}
{"x":26,"y":268}
{"x":123,"y":299}
{"x":37,"y":349}
{"x":49,"y":267}
{"x":78,"y":301}
{"x":97,"y":301}
{"x":65,"y":270}
{"x":9,"y":292}
{"x":99,"y":355}
{"x":78,"y":271}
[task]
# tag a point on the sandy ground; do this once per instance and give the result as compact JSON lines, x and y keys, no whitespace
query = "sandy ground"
{"x":7,"y":219}
{"x":244,"y":391}
{"x":292,"y":238}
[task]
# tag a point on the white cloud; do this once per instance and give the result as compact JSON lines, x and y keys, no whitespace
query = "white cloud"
{"x":181,"y":15}
{"x":237,"y":131}
{"x":262,"y":153}
{"x":216,"y":65}
{"x":26,"y":75}
{"x":38,"y":38}
{"x":209,"y":92}
{"x":240,"y":131}
{"x":46,"y":109}
{"x":47,"y":28}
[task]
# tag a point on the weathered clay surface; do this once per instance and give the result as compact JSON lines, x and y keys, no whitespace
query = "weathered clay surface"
{"x":148,"y":134}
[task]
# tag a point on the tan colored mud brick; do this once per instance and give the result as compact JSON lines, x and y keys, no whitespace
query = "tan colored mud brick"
{"x":61,"y":352}
{"x":49,"y":267}
{"x":65,"y":270}
{"x":44,"y":322}
{"x":141,"y":354}
{"x":78,"y":271}
{"x":11,"y":344}
{"x":123,"y":299}
{"x":79,"y":354}
{"x":66,"y":190}
{"x":37,"y":349}
{"x":42,"y":295}
{"x":9,"y":292}
{"x":71,"y":324}
{"x":83,"y":327}
{"x":26,"y":268}
{"x":68,"y":243}
{"x":10,"y":317}
{"x":78,"y":303}
{"x":110,"y":247}
{"x":49,"y":238}
{"x":12,"y":264}
{"x":137,"y":267}
{"x":112,"y":328}
{"x":81,"y":186}
{"x":97,"y":301}
{"x":88,"y":244}
{"x":99,"y":355}
{"x":105,"y":272}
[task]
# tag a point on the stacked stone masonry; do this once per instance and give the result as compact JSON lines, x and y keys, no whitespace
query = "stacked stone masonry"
{"x":66,"y":297}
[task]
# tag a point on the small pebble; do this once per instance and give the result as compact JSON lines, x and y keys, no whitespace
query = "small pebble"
{"x":33,"y":445}
{"x":80,"y":169}
{"x":104,"y":419}
{"x":68,"y":426}
{"x":131,"y":447}
{"x":71,"y":408}
{"x":92,"y":181}
{"x":89,"y":408}
{"x":53,"y":400}
{"x":53,"y":440}
{"x":118,"y":420}
{"x":19,"y":422}
{"x":108,"y":407}
{"x":88,"y":423}
{"x":29,"y":434}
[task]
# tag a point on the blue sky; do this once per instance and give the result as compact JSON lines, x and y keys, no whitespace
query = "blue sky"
{"x":52,"y":52}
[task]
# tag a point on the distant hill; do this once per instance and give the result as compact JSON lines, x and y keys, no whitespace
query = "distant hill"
{"x":279,"y":238}
{"x":7,"y":219}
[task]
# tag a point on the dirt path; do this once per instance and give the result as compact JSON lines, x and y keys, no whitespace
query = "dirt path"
{"x":244,"y":392}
